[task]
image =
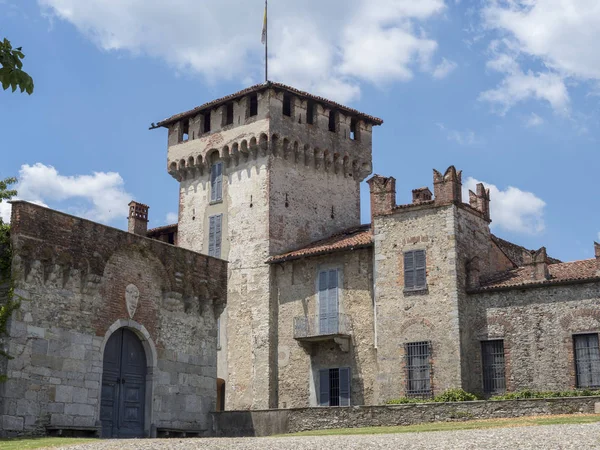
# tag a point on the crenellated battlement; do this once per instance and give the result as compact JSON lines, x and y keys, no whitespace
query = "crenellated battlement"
{"x":270,"y":119}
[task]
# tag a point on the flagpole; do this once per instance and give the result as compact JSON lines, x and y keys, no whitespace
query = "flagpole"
{"x":266,"y":43}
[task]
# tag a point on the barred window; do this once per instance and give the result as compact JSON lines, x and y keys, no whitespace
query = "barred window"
{"x":587,"y":360}
{"x":418,"y":369}
{"x":415,"y":277}
{"x":334,"y":387}
{"x":492,"y":355}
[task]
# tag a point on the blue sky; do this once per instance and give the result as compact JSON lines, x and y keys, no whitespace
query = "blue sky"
{"x":507,"y":91}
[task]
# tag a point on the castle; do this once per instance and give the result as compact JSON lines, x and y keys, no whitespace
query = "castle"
{"x":270,"y":293}
{"x":322,"y":310}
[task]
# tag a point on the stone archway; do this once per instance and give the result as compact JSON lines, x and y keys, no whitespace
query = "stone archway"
{"x":148,"y":349}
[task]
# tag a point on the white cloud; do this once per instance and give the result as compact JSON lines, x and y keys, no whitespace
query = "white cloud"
{"x":328,"y":47}
{"x":512,"y":209}
{"x":559,"y":35}
{"x":533,"y":121}
{"x":171,"y":218}
{"x":100,"y":197}
{"x":5,"y":211}
{"x":464,"y":138}
{"x":443,"y":69}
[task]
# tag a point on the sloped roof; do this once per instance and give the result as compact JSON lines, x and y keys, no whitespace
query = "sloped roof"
{"x":163,"y":229}
{"x":573,"y":271}
{"x":353,"y":238}
{"x":515,"y":252}
{"x":261,"y":87}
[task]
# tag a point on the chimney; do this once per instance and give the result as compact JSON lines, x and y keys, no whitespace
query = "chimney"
{"x":447,"y":187}
{"x":421,"y":195}
{"x":480,"y":201}
{"x":537,"y":263}
{"x":383,"y":195}
{"x":138,"y":218}
{"x":597,"y":254}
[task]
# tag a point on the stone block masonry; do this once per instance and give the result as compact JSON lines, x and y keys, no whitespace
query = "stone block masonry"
{"x":80,"y":283}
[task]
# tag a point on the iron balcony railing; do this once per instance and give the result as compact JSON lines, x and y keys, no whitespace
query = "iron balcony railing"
{"x":322,"y":326}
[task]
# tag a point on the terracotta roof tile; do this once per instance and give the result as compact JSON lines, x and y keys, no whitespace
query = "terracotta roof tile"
{"x":515,"y":252}
{"x":260,"y":87}
{"x":586,"y":269}
{"x":357,"y":237}
{"x":162,"y":229}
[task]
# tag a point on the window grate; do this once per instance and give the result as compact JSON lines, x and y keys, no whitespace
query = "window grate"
{"x":334,"y":387}
{"x":494,"y":377}
{"x":587,"y":360}
{"x":418,"y":369}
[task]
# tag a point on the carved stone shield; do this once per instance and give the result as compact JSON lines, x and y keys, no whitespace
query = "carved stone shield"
{"x":132,"y":298}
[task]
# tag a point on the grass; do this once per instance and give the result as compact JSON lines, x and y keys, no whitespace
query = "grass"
{"x":33,"y":443}
{"x":469,"y":425}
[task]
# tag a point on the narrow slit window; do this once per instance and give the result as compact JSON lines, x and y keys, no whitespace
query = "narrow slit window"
{"x":310,"y":112}
{"x":587,"y":360}
{"x":332,"y":120}
{"x":185,"y":130}
{"x":253,"y":105}
{"x":354,"y":131}
{"x":287,"y":105}
{"x":228,"y":114}
{"x":206,"y":127}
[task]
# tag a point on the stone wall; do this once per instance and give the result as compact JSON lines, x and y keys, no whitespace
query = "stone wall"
{"x":537,"y":326}
{"x":428,"y":315}
{"x":295,"y":286}
{"x":266,"y":423}
{"x":72,"y":275}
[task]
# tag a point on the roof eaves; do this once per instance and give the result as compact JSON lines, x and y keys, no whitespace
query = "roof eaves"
{"x":276,"y":260}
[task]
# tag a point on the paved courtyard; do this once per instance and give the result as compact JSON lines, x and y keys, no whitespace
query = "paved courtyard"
{"x":562,"y":437}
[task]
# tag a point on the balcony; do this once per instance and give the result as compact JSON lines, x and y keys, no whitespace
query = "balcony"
{"x":336,"y":327}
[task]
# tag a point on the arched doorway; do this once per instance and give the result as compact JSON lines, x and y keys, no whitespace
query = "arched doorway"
{"x":123,"y":386}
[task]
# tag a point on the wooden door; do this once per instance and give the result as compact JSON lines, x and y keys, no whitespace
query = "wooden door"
{"x":123,"y":386}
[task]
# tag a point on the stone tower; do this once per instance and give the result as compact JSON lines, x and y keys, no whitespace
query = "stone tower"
{"x":263,"y":171}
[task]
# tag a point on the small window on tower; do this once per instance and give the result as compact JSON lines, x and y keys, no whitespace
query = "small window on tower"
{"x":332,"y":120}
{"x":354,"y":130}
{"x":287,"y":105}
{"x":206,"y":127}
{"x":253,"y":105}
{"x":310,"y":112}
{"x":185,"y":130}
{"x":228,"y":114}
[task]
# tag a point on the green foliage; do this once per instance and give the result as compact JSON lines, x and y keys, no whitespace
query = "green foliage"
{"x":546,"y":394}
{"x":5,"y":193}
{"x":455,"y":395}
{"x":11,"y":73}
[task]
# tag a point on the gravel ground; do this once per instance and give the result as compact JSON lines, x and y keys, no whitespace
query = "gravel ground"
{"x":579,"y":437}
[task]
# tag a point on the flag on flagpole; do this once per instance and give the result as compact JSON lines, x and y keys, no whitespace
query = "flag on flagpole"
{"x":263,"y":38}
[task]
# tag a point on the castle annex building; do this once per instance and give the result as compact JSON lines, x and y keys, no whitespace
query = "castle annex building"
{"x":324,"y":311}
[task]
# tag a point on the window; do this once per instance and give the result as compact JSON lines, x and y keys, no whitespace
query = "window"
{"x":492,"y":355}
{"x":287,"y":105}
{"x":414,"y":270}
{"x":587,"y":360}
{"x":206,"y":122}
{"x":310,"y":112}
{"x":253,"y":105}
{"x":228,"y":118}
{"x":334,"y":387}
{"x":216,"y":182}
{"x":354,"y":133}
{"x":185,"y":130}
{"x":214,"y":236}
{"x":171,"y":238}
{"x":332,"y":120}
{"x":418,"y":369}
{"x":328,"y":302}
{"x":219,"y":333}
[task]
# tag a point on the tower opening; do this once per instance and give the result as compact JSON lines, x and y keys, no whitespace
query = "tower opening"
{"x":228,"y":114}
{"x":332,"y":120}
{"x":310,"y":112}
{"x":253,"y":105}
{"x":287,"y":105}
{"x":206,"y":127}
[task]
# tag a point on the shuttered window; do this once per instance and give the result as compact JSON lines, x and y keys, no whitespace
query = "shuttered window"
{"x":334,"y":387}
{"x":418,"y":369}
{"x":216,"y":182}
{"x":587,"y":360}
{"x":415,"y":270}
{"x":492,"y":355}
{"x":328,"y":301}
{"x":214,"y":235}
